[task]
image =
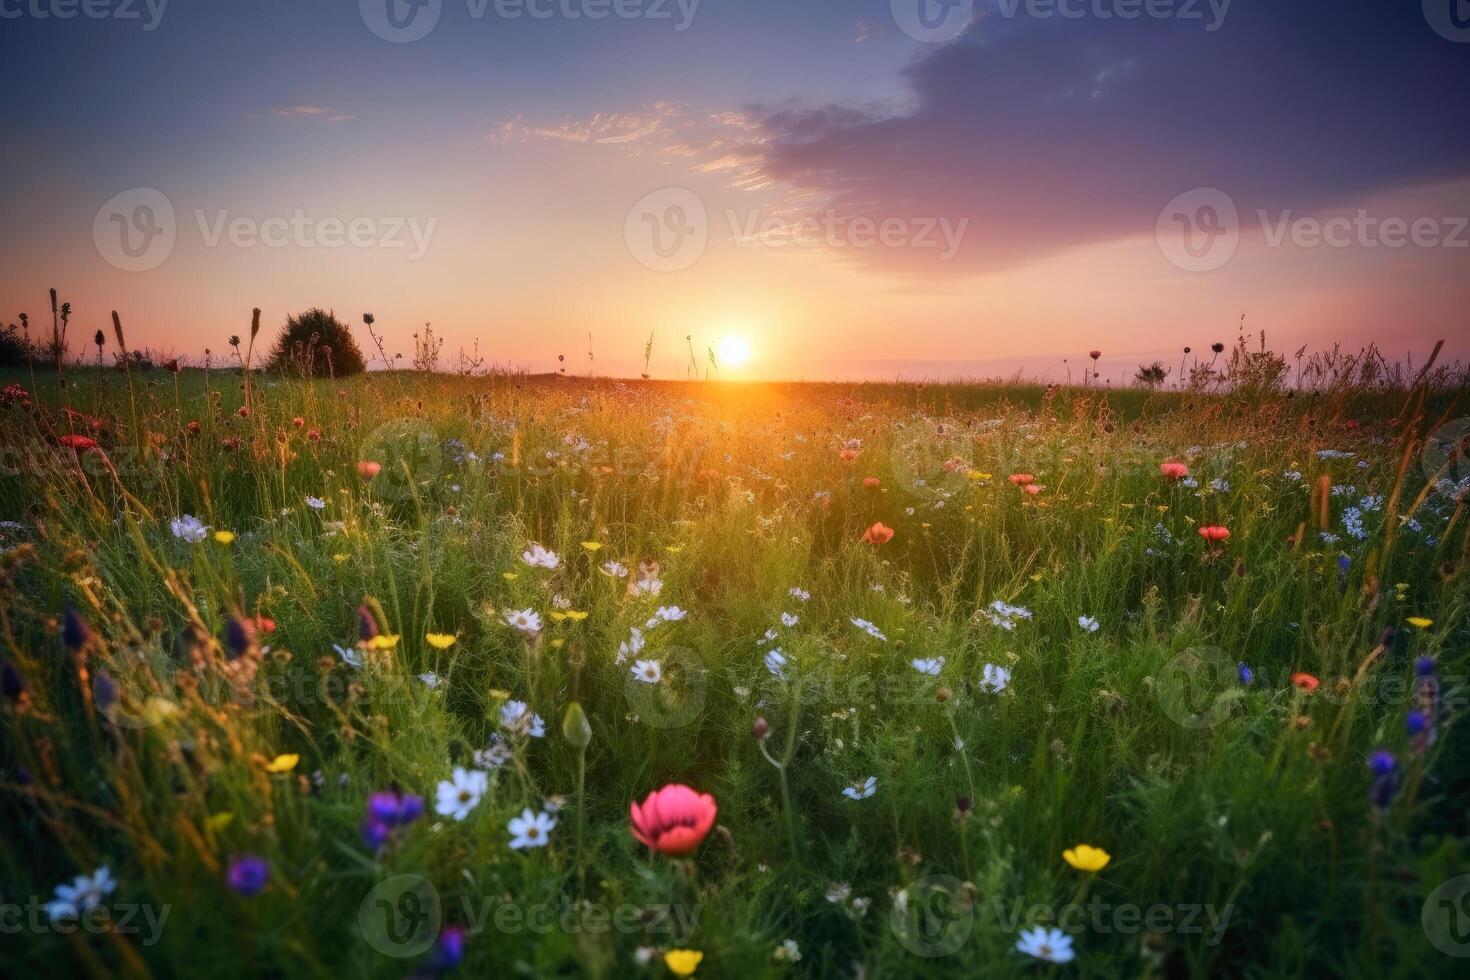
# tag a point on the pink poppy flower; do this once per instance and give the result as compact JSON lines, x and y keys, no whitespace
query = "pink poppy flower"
{"x":673,"y":820}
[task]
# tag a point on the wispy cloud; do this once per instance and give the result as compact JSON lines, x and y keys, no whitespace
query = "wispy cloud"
{"x":319,"y":113}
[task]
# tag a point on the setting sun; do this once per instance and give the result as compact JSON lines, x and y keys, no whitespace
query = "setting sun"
{"x":733,"y":351}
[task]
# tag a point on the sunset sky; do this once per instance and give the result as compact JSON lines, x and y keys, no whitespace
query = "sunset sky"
{"x":845,"y":187}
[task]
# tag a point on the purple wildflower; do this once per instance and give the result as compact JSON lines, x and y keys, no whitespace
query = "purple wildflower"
{"x":248,"y":874}
{"x":449,"y":951}
{"x":1385,"y":779}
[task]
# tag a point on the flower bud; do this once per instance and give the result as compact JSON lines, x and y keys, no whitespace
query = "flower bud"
{"x":760,"y":729}
{"x":574,"y":726}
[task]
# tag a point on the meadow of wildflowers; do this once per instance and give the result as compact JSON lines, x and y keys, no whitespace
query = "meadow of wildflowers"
{"x":534,"y":676}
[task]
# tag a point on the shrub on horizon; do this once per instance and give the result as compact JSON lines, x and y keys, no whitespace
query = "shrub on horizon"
{"x":316,"y":344}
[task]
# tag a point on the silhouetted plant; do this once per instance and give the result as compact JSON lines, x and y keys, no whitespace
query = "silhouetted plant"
{"x":317,"y":344}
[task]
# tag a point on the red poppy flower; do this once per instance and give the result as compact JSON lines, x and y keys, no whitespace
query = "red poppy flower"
{"x":848,"y":455}
{"x":1174,"y":470}
{"x":879,"y":533}
{"x":78,"y":443}
{"x":1032,"y":489}
{"x":298,"y":421}
{"x":1021,"y":479}
{"x":1214,"y":533}
{"x":367,"y":468}
{"x":673,"y":820}
{"x":871,"y":482}
{"x":1304,"y":682}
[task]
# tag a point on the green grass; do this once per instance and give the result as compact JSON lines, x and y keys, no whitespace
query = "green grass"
{"x":1243,"y":806}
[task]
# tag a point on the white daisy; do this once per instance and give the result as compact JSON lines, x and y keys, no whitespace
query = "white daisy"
{"x":525,"y":620}
{"x":648,"y":671}
{"x":81,"y":896}
{"x":530,"y":829}
{"x":1005,"y":615}
{"x":929,"y":665}
{"x":862,"y":790}
{"x":539,"y":557}
{"x":461,"y":793}
{"x":994,"y":679}
{"x":188,"y":528}
{"x":494,"y":755}
{"x":776,"y":663}
{"x":646,"y":587}
{"x":517,"y":718}
{"x":630,"y":647}
{"x":1051,"y":945}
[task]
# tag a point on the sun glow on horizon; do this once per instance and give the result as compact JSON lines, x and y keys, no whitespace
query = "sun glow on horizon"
{"x":733,"y":351}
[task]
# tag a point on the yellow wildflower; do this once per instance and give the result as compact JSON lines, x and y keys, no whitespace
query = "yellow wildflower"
{"x":283,"y":763}
{"x":1085,"y":857}
{"x":683,"y":962}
